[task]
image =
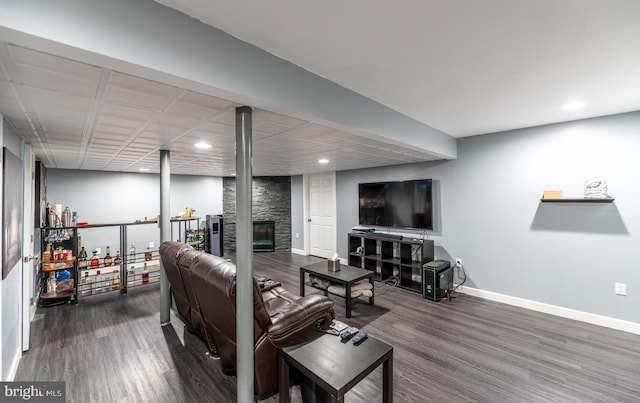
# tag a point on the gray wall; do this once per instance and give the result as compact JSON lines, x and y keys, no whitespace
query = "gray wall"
{"x":113,"y":197}
{"x":489,"y":213}
{"x":297,"y":213}
{"x":271,"y":201}
{"x":11,"y":286}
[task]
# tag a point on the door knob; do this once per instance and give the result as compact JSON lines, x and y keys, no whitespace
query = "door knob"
{"x":27,"y":259}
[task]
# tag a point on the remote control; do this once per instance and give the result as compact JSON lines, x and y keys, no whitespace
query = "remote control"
{"x":360,"y":337}
{"x":347,"y":334}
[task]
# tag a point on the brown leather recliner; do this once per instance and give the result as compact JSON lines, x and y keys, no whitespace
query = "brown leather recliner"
{"x":280,"y":318}
{"x":176,"y":258}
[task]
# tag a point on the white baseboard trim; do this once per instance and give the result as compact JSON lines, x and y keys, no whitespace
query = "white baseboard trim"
{"x":618,"y":324}
{"x":298,"y":251}
{"x":13,"y":369}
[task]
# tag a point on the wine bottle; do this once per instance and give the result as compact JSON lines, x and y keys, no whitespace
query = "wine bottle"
{"x":118,"y":260}
{"x":132,"y":253}
{"x":145,"y":274}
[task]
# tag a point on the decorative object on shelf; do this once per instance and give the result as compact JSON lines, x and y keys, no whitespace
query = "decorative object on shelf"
{"x":596,"y":189}
{"x":552,"y":194}
{"x":334,"y":263}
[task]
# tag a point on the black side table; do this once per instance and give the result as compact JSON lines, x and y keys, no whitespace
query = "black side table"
{"x":335,"y":367}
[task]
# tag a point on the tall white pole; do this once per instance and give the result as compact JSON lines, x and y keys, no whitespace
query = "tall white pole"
{"x":244,"y":251}
{"x":165,"y":234}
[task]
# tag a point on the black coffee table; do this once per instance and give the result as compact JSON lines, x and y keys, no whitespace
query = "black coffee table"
{"x":335,"y":367}
{"x":347,"y":276}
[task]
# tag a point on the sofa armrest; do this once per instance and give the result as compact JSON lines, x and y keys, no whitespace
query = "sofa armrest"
{"x":295,"y":322}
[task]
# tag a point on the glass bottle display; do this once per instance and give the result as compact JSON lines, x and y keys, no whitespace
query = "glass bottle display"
{"x":132,"y":253}
{"x":95,"y":261}
{"x":108,"y":260}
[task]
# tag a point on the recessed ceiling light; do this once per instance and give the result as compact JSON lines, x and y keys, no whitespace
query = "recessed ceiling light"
{"x":573,"y":105}
{"x":143,"y":169}
{"x":203,"y":145}
{"x":323,"y":161}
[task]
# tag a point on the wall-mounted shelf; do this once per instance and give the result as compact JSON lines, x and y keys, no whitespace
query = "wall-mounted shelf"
{"x":578,"y":200}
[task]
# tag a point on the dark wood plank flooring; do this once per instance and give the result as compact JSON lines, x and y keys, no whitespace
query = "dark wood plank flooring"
{"x":111,"y":348}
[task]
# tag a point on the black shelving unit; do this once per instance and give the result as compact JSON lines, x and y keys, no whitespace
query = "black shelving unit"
{"x":391,"y":257}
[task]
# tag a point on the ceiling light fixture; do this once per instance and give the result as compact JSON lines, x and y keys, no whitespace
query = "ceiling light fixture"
{"x":203,"y":145}
{"x":323,"y":161}
{"x":143,"y":169}
{"x":573,"y":105}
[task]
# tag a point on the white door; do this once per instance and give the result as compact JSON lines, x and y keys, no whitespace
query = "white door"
{"x":322,"y":214}
{"x":28,"y":267}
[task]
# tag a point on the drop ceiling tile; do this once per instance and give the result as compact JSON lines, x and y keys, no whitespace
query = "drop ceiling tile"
{"x":127,"y":111}
{"x":40,"y":99}
{"x":56,"y":81}
{"x":188,"y":109}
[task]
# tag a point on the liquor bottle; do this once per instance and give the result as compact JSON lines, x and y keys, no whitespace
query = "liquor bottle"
{"x":51,"y":284}
{"x":118,"y":260}
{"x":94,"y":262}
{"x":108,"y":260}
{"x":131,"y":275}
{"x":97,"y":287}
{"x":145,"y":274}
{"x":46,"y":255}
{"x":115,"y":285}
{"x":147,"y":254}
{"x":132,"y":253}
{"x":82,"y":257}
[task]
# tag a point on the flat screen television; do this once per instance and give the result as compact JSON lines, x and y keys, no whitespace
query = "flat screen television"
{"x":401,"y":204}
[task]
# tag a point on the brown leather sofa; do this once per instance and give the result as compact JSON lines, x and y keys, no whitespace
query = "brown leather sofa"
{"x":204,"y":290}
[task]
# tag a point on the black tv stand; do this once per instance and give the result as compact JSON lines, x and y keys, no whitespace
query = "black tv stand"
{"x":389,"y":257}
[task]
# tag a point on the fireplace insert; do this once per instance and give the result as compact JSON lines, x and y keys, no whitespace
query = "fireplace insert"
{"x":264,"y":236}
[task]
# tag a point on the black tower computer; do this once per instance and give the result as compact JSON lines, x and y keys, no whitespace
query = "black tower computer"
{"x":437,"y":280}
{"x":214,"y":231}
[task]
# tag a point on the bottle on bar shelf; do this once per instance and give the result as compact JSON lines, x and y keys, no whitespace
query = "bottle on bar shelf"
{"x":94,"y":262}
{"x":108,"y":260}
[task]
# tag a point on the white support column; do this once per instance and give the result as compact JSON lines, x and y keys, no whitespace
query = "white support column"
{"x":244,"y":251}
{"x":165,"y":234}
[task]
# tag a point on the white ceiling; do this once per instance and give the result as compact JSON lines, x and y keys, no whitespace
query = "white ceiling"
{"x":79,"y":116}
{"x":465,"y":67}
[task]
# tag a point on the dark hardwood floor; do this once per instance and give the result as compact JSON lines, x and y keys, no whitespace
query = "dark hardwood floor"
{"x":111,"y":348}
